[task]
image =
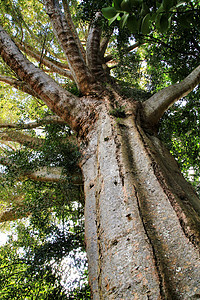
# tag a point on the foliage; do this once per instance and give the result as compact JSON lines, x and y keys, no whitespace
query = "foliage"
{"x":180,"y":131}
{"x":55,"y":226}
{"x":141,"y":16}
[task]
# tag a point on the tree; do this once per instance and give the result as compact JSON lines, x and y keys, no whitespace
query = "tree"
{"x":141,"y":216}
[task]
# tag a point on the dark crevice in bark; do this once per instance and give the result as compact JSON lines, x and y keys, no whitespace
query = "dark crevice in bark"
{"x":191,"y":234}
{"x":141,"y":210}
{"x":98,"y":226}
{"x":118,"y":146}
{"x":168,"y":284}
{"x":162,"y":293}
{"x":109,"y":104}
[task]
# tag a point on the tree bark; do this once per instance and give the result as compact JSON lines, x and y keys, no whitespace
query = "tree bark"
{"x":141,"y":217}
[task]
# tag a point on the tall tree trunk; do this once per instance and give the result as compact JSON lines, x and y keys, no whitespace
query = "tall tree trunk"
{"x":141,"y":216}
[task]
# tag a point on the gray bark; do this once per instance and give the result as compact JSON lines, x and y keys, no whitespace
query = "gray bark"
{"x":141,"y":228}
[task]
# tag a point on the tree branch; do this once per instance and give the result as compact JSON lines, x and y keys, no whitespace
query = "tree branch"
{"x":12,"y":214}
{"x":104,"y":43}
{"x":21,"y":138}
{"x":26,"y":47}
{"x":53,"y":174}
{"x":72,"y":27}
{"x":93,"y":49}
{"x":35,"y":124}
{"x":79,"y":70}
{"x":154,"y":107}
{"x":45,"y":174}
{"x":50,"y":63}
{"x":60,"y":101}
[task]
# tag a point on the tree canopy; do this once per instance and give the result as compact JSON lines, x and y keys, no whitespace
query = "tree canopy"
{"x":146,"y":46}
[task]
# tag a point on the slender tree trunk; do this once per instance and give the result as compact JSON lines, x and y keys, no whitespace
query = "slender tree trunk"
{"x":141,"y":228}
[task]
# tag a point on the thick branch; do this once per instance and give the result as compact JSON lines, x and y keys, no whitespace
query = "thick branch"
{"x":35,"y":124}
{"x":93,"y":49}
{"x":26,"y":47}
{"x":154,"y":107}
{"x":12,"y":214}
{"x":45,"y":174}
{"x":53,"y":174}
{"x":104,"y":43}
{"x":50,"y":63}
{"x":60,"y":101}
{"x":72,"y":27}
{"x":21,"y":138}
{"x":78,"y":68}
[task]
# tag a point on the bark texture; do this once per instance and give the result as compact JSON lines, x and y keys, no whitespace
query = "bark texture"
{"x":142,"y":231}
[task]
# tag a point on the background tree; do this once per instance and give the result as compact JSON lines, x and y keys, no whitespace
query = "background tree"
{"x":141,"y":216}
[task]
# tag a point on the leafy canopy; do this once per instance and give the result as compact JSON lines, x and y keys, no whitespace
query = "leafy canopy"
{"x":141,"y":16}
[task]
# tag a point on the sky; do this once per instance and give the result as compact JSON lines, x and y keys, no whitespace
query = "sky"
{"x":3,"y":238}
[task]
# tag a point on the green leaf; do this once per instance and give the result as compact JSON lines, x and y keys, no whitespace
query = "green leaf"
{"x":167,"y":4}
{"x":144,"y":10}
{"x":109,"y":12}
{"x":164,"y":22}
{"x":145,"y":27}
{"x":160,"y":9}
{"x":117,"y":16}
{"x":132,"y":24}
{"x":185,"y":21}
{"x":124,"y":19}
{"x":136,"y":2}
{"x":117,"y":4}
{"x":126,"y":5}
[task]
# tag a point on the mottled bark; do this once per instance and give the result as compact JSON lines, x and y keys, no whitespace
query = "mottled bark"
{"x":142,"y":228}
{"x":94,"y":59}
{"x":72,"y":27}
{"x":79,"y":70}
